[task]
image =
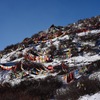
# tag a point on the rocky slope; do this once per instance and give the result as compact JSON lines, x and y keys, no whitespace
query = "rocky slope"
{"x":67,"y":52}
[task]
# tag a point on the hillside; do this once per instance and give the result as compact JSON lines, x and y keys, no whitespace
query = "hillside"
{"x":67,"y":53}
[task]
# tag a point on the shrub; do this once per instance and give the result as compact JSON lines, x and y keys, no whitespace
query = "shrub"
{"x":40,"y":89}
{"x":81,"y":87}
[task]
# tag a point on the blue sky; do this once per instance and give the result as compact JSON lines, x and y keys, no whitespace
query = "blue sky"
{"x":23,"y":18}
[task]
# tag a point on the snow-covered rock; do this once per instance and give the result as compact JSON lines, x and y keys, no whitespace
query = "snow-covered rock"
{"x":91,"y":97}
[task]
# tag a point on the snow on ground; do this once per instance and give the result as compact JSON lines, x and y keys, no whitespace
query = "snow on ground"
{"x":55,"y":62}
{"x":14,"y":81}
{"x":95,"y":75}
{"x":64,"y":37}
{"x":6,"y":57}
{"x":88,"y":43}
{"x":92,"y":97}
{"x":89,"y":32}
{"x":41,"y":76}
{"x":82,"y":60}
{"x":78,"y":61}
{"x":17,"y":60}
